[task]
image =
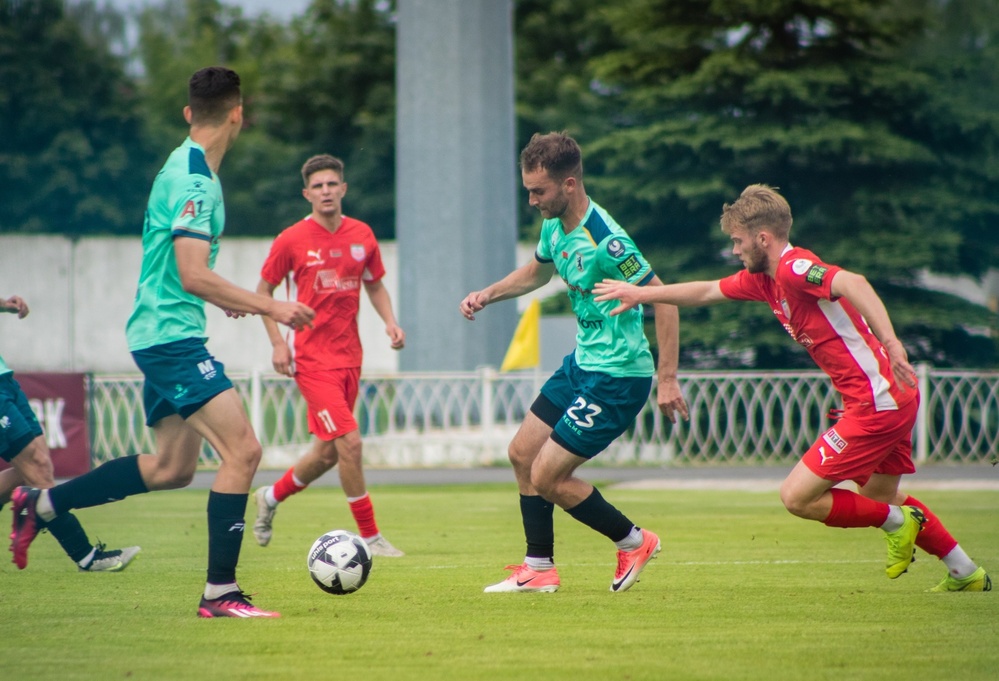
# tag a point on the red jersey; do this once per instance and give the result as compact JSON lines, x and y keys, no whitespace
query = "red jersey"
{"x":327,"y":270}
{"x":829,"y":328}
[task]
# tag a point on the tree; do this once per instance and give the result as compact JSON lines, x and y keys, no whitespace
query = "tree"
{"x":72,"y":157}
{"x":888,"y":168}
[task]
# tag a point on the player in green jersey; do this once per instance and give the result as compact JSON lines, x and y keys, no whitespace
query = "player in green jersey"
{"x":601,"y":386}
{"x":187,"y":396}
{"x":23,"y":445}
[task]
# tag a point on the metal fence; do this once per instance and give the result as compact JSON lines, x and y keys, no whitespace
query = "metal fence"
{"x":464,"y":419}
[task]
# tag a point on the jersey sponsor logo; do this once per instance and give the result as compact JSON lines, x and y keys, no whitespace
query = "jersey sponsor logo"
{"x":573,"y":287}
{"x":615,"y":248}
{"x":581,"y":413}
{"x":629,"y":267}
{"x":834,"y":440}
{"x":590,"y":323}
{"x":816,"y":274}
{"x":207,"y":369}
{"x":800,"y":266}
{"x":802,"y":339}
{"x":357,"y":252}
{"x":329,"y":281}
{"x":190,"y":210}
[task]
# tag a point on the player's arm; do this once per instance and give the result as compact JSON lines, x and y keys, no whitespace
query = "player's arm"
{"x":382,"y":302}
{"x":531,"y":276}
{"x":16,"y":305}
{"x":668,"y":394}
{"x":280,"y":352}
{"x":856,"y":289}
{"x":198,"y":279}
{"x":686,"y":294}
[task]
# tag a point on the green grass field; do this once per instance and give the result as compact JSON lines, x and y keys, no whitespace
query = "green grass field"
{"x":741,"y":591}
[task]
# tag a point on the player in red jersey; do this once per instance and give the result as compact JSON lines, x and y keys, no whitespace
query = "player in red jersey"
{"x":329,"y":257}
{"x":838,"y":318}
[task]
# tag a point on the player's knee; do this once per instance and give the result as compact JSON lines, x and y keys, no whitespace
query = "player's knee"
{"x":794,"y":503}
{"x":34,"y":464}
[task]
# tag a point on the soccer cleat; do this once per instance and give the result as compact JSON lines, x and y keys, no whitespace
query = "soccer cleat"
{"x":114,"y":560}
{"x":265,"y":516}
{"x":380,"y":546}
{"x":525,"y":580}
{"x":631,"y":563}
{"x":902,"y":542}
{"x":978,"y":580}
{"x":232,"y":604}
{"x":26,"y":523}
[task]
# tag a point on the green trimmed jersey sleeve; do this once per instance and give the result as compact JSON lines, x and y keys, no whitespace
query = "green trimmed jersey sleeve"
{"x":598,"y":248}
{"x":185,"y":202}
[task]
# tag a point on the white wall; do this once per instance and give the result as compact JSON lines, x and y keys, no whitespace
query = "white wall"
{"x":81,"y":292}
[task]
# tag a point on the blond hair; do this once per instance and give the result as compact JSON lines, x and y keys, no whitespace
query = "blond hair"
{"x":759,"y":207}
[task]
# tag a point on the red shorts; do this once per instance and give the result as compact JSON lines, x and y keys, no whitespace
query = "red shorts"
{"x":860,"y":445}
{"x":330,"y":396}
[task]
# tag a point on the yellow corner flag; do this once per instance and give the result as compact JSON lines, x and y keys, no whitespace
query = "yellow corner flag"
{"x":525,"y":348}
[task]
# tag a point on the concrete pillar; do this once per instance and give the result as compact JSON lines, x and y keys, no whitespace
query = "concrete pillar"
{"x":456,"y":178}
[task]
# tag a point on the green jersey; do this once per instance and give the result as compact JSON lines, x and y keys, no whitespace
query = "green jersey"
{"x":4,"y":369}
{"x":596,"y":249}
{"x":185,"y":201}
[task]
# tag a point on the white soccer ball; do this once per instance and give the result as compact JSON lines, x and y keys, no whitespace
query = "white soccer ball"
{"x":339,"y":562}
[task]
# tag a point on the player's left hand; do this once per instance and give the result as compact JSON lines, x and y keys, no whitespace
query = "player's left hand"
{"x":670,"y":399}
{"x":15,"y":304}
{"x":233,"y":314}
{"x":396,"y":335}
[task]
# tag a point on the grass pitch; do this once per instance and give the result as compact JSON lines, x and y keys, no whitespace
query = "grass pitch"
{"x":742,"y":590}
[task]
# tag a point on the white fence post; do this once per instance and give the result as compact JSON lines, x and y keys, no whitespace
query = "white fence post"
{"x":488,"y":377}
{"x":922,"y":423}
{"x":256,"y":404}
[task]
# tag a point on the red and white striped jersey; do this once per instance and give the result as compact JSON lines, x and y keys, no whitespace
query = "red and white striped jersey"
{"x":831,"y":329}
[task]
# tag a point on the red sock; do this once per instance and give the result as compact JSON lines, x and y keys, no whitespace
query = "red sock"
{"x":287,"y":486}
{"x":850,"y":509}
{"x":934,"y":538}
{"x":364,"y":516}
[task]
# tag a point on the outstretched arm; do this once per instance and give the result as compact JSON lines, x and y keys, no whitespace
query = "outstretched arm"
{"x":686,"y":294}
{"x":382,"y":302}
{"x":198,"y":279}
{"x":856,"y":289}
{"x":522,"y":280}
{"x":281,"y":358}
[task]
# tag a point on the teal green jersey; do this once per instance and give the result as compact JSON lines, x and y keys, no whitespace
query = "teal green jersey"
{"x":185,"y":202}
{"x":598,"y":248}
{"x":4,"y":369}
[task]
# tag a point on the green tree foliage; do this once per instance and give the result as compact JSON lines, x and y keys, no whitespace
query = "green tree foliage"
{"x":888,"y":166}
{"x":72,"y":158}
{"x":331,"y":89}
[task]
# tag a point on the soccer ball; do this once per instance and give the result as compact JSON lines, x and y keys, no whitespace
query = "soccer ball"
{"x":339,"y":562}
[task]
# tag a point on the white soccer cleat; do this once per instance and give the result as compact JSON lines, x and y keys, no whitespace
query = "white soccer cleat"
{"x":380,"y":546}
{"x":265,"y":517}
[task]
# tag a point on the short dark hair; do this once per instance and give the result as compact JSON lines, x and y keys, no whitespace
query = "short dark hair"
{"x":212,"y":93}
{"x":556,"y":153}
{"x":321,"y":162}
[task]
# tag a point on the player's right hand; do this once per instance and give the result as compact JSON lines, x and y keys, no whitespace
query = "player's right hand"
{"x":292,"y":314}
{"x":15,"y":304}
{"x":473,"y":302}
{"x":281,"y":360}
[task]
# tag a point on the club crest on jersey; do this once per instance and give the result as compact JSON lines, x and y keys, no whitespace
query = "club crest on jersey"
{"x":357,"y":252}
{"x":615,"y":248}
{"x":785,"y":308}
{"x":834,"y":440}
{"x":579,"y":261}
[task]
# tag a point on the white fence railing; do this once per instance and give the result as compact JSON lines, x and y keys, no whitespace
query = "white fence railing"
{"x":467,"y":419}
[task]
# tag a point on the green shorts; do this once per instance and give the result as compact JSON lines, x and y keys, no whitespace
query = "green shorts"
{"x":181,"y":377}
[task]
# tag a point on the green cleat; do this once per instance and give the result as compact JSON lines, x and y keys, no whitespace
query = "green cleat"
{"x":978,"y":580}
{"x":902,"y":542}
